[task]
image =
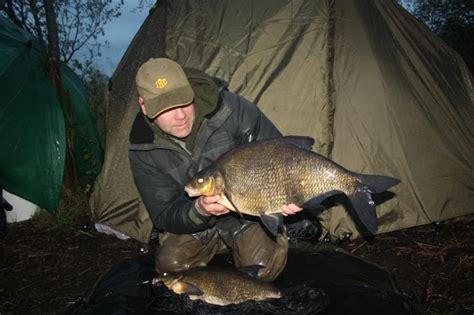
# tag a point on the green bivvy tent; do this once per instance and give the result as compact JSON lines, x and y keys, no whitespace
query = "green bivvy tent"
{"x":379,"y":92}
{"x":32,"y":124}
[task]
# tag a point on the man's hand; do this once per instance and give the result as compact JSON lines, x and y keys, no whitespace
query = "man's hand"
{"x":290,"y":209}
{"x":207,"y":205}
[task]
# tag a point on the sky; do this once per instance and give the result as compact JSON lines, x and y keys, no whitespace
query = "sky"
{"x":119,"y":33}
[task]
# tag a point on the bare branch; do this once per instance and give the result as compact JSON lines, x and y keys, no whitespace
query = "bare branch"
{"x":11,"y":12}
{"x":80,"y":22}
{"x":39,"y":32}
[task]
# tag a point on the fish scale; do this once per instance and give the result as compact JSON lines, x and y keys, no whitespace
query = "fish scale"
{"x":270,"y":183}
{"x":220,"y":286}
{"x":260,"y":177}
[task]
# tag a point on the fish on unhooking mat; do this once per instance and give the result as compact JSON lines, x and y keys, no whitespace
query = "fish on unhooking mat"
{"x":219,"y":286}
{"x":259,"y":177}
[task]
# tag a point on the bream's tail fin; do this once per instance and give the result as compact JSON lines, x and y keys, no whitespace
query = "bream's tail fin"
{"x":377,"y":183}
{"x":364,"y":208}
{"x":361,"y":198}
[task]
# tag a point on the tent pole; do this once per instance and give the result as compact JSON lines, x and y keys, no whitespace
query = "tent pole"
{"x":330,"y":83}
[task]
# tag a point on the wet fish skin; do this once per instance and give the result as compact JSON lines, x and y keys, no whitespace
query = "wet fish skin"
{"x":217,"y":285}
{"x":259,"y":177}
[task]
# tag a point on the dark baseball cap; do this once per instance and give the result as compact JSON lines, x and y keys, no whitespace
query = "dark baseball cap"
{"x":163,"y":85}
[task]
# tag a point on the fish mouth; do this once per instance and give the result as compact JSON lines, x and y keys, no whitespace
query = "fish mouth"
{"x":191,"y":191}
{"x":155,"y":281}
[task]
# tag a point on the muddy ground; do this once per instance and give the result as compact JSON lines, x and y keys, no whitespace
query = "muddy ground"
{"x":46,"y":271}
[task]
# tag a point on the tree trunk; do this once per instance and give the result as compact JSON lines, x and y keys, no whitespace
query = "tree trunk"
{"x":54,"y":69}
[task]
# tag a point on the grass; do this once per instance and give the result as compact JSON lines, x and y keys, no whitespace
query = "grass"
{"x":73,"y":209}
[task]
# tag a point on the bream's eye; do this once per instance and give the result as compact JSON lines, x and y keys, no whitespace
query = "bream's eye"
{"x":200,"y":180}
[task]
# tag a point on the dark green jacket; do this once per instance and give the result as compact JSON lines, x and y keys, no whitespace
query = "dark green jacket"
{"x":161,"y":168}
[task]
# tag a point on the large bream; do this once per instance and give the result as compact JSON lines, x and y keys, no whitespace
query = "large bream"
{"x":259,"y":177}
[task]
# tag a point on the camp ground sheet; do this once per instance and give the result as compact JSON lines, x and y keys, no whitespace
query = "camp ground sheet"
{"x":318,"y":279}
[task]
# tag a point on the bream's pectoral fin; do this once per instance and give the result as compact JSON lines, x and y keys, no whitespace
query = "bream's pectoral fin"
{"x":190,"y":289}
{"x":227,"y":202}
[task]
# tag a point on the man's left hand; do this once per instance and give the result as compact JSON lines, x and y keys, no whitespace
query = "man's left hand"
{"x":290,"y":209}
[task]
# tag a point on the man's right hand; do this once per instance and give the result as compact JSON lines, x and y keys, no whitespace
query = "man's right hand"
{"x":207,"y":205}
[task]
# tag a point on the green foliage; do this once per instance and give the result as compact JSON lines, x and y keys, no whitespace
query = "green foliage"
{"x":452,"y":20}
{"x":73,"y":209}
{"x":96,"y":84}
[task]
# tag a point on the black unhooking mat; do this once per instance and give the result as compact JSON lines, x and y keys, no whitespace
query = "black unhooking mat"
{"x":318,"y":279}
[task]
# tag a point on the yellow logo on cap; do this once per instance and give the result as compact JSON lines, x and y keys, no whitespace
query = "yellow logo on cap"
{"x":161,"y":83}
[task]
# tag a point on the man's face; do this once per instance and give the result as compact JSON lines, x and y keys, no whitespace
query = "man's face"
{"x":178,"y":121}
